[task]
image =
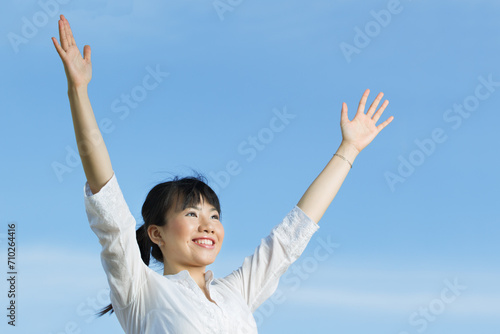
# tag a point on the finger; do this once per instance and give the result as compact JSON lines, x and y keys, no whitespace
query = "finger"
{"x":62,"y":35}
{"x":343,"y":113}
{"x":71,"y":39}
{"x":59,"y":49}
{"x":380,"y":111}
{"x":374,"y":105}
{"x":66,"y":32}
{"x":384,"y":124}
{"x":362,"y":102}
{"x":86,"y":52}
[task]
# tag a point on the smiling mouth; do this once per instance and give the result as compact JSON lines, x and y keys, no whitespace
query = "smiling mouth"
{"x":209,"y":244}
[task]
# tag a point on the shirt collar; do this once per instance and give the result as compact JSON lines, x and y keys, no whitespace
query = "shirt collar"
{"x":184,"y":276}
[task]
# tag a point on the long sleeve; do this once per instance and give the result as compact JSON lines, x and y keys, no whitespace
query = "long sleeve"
{"x":258,"y":277}
{"x":111,"y":220}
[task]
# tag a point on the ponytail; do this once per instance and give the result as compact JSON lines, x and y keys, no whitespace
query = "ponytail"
{"x":145,"y":245}
{"x":144,"y":242}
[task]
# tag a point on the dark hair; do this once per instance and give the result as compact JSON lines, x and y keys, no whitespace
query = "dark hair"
{"x":162,"y":198}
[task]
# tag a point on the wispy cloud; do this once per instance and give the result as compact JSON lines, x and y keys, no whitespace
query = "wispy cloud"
{"x":388,"y":290}
{"x":58,"y":274}
{"x":469,"y":303}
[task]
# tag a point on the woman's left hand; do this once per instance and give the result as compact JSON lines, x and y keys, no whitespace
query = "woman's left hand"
{"x":362,"y":130}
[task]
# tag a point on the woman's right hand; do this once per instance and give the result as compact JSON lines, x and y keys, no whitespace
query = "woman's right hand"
{"x":78,"y":70}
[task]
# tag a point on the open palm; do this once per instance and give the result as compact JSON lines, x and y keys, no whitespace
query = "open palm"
{"x":362,"y":129}
{"x":78,"y":69}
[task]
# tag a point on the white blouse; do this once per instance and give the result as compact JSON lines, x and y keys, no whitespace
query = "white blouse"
{"x":147,"y":302}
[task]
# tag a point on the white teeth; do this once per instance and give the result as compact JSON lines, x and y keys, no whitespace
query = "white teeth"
{"x":204,"y":241}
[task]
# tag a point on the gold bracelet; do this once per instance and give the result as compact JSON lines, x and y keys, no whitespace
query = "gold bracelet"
{"x":344,"y":159}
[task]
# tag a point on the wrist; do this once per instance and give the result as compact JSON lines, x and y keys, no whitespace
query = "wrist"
{"x":348,"y":151}
{"x":76,"y":89}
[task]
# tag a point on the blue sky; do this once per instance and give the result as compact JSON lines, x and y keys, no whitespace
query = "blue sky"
{"x":416,"y":221}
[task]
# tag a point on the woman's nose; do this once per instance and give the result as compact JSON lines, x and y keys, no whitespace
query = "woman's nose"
{"x":206,"y":225}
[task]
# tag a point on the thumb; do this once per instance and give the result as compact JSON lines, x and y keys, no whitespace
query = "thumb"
{"x":86,"y":52}
{"x":59,"y":49}
{"x":343,"y":114}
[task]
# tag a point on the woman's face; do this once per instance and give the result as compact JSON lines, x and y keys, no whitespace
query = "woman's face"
{"x":192,"y":237}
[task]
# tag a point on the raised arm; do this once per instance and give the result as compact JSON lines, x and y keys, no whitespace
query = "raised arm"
{"x":95,"y":158}
{"x":356,"y":135}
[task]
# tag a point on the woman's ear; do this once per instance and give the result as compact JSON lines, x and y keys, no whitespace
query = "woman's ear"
{"x":155,"y":235}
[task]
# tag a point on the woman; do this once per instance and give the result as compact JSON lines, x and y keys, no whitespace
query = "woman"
{"x":182,"y":227}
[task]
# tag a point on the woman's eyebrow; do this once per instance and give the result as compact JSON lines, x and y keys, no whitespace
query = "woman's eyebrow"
{"x":199,"y":209}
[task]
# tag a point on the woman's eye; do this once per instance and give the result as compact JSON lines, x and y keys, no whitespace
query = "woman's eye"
{"x":193,"y":214}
